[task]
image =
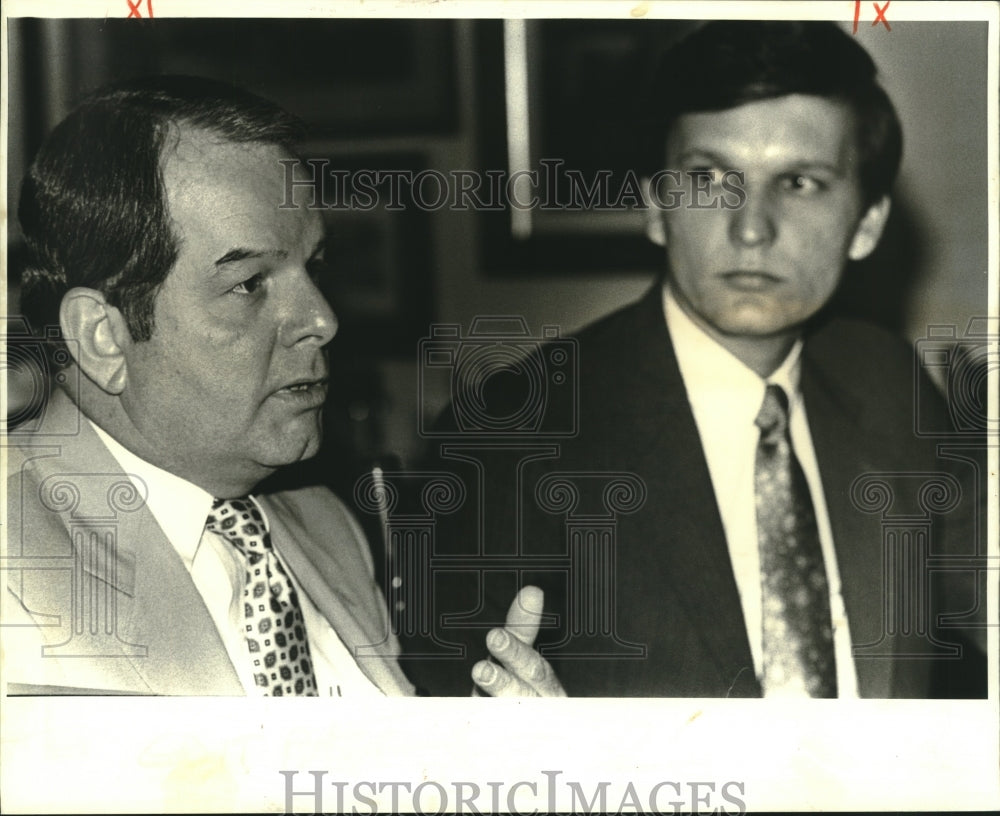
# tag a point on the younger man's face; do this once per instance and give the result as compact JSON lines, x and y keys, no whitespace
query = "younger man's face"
{"x":765,"y":268}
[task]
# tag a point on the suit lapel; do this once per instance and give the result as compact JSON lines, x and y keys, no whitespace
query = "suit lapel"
{"x":837,"y":427}
{"x":186,"y":655}
{"x":691,"y":542}
{"x":332,"y":580}
{"x":163,"y":627}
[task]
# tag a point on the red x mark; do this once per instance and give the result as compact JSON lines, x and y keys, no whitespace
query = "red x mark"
{"x":133,"y":9}
{"x":879,"y":15}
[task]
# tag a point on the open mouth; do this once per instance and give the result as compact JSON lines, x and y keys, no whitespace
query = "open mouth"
{"x":304,"y":387}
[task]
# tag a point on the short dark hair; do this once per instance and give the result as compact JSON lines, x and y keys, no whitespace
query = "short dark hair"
{"x":92,"y":205}
{"x":724,"y":64}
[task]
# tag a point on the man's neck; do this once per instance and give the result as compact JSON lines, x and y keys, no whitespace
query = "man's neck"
{"x":106,"y":412}
{"x":762,"y":354}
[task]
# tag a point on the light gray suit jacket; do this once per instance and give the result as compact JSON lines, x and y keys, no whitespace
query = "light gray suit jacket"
{"x":99,"y":602}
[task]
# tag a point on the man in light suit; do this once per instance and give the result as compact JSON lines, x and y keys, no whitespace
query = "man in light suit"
{"x":143,"y":556}
{"x":671,"y":394}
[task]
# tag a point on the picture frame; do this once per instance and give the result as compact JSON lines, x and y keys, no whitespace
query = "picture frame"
{"x":541,"y":83}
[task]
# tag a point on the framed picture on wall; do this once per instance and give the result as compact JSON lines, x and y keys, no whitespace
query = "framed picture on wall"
{"x":559,"y":101}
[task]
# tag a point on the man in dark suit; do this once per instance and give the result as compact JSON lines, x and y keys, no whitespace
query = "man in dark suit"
{"x":745,"y":508}
{"x":180,"y":290}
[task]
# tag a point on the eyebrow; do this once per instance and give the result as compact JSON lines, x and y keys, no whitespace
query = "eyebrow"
{"x":698,"y":153}
{"x":245,"y":253}
{"x":798,"y":163}
{"x":242,"y":254}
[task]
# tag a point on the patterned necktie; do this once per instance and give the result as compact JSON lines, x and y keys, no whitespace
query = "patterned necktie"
{"x":275,"y":629}
{"x":797,"y":634}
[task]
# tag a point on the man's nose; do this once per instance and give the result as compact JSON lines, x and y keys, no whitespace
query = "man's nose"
{"x":310,"y":319}
{"x":753,"y":224}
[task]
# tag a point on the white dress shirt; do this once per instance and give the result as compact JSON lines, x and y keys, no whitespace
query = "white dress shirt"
{"x":218,"y":571}
{"x":725,"y":397}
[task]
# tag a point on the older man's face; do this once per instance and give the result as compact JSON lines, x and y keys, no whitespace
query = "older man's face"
{"x":231,"y":384}
{"x":765,"y":268}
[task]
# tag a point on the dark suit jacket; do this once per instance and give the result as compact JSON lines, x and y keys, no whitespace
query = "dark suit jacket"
{"x":660,"y":614}
{"x":116,"y":612}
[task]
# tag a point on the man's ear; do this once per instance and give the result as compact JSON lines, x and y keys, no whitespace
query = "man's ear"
{"x":655,"y":228}
{"x":100,"y":337}
{"x":869,"y":229}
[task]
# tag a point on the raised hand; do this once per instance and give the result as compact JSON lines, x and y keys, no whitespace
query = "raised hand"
{"x":521,"y":671}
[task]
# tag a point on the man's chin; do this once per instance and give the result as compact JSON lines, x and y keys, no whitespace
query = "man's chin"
{"x":752,"y":322}
{"x":293,"y":449}
{"x":760,"y":331}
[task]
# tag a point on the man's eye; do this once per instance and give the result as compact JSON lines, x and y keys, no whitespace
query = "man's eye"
{"x":801,"y":183}
{"x":248,"y":286}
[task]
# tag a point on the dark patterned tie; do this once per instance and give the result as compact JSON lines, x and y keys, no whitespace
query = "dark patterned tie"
{"x":275,"y":630}
{"x":797,"y":634}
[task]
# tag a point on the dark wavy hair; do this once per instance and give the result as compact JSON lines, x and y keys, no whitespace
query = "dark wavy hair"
{"x":92,"y":204}
{"x":724,"y":64}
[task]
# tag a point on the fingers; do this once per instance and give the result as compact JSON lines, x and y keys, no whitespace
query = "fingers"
{"x":527,"y":669}
{"x":521,"y":672}
{"x":525,"y":614}
{"x":496,"y":681}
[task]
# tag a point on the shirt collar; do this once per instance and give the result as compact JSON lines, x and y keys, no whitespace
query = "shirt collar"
{"x":714,"y":378}
{"x":179,"y":507}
